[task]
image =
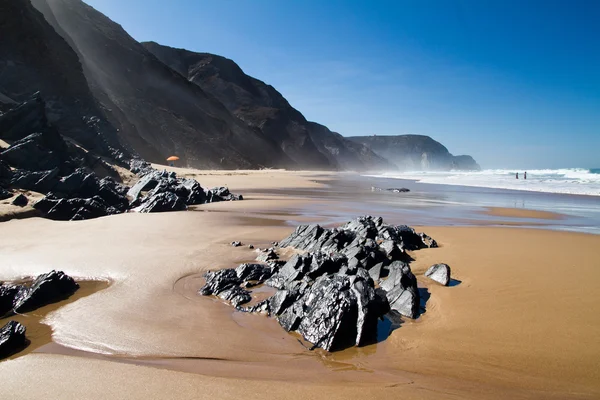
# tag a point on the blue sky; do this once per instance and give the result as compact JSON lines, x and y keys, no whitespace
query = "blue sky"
{"x":513,"y":83}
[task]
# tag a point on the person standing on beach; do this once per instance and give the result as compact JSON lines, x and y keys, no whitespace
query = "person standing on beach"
{"x":525,"y":175}
{"x":517,"y":175}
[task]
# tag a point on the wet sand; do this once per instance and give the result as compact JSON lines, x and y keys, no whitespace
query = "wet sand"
{"x":37,"y":332}
{"x":523,"y":213}
{"x":523,"y":321}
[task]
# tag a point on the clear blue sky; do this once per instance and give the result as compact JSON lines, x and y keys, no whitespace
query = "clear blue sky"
{"x":513,"y":83}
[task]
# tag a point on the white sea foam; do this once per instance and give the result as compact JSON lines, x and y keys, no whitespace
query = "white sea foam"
{"x":568,"y":180}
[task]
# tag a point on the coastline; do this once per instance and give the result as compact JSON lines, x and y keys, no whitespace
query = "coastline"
{"x":504,"y":330}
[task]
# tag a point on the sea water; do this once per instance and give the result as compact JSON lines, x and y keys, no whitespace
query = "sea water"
{"x":568,"y":180}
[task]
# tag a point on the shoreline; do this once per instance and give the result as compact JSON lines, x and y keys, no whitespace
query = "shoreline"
{"x":496,"y":334}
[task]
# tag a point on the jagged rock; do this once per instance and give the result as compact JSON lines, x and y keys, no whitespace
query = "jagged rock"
{"x":45,"y":289}
{"x":20,"y":200}
{"x":8,"y":293}
{"x":439,"y":273}
{"x":267,"y":255}
{"x":340,"y":311}
{"x":221,"y":194}
{"x":162,"y":202}
{"x":329,"y":295}
{"x":12,"y":338}
{"x":236,"y":244}
{"x":235,"y":295}
{"x":375,"y":272}
{"x":33,"y":153}
{"x":73,"y":209}
{"x":253,"y":272}
{"x":218,"y":281}
{"x":401,"y":290}
{"x":5,"y":194}
{"x":38,"y":181}
{"x":251,"y":246}
{"x":146,"y":182}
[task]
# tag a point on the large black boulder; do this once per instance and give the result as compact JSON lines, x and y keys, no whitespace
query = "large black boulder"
{"x":401,"y":290}
{"x":45,"y":289}
{"x":12,"y":338}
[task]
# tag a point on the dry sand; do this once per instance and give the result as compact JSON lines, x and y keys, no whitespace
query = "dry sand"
{"x":523,"y":323}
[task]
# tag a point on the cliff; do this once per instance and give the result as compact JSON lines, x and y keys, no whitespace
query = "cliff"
{"x":261,"y":106}
{"x":416,"y":152}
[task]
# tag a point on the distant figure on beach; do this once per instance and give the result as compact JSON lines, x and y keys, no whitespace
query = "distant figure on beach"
{"x":525,"y":175}
{"x":517,"y":175}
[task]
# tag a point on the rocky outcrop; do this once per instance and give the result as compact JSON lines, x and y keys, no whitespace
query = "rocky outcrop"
{"x":439,"y":273}
{"x":416,"y":153}
{"x":328,"y":294}
{"x":164,"y":191}
{"x":12,"y":339}
{"x":45,"y":289}
{"x":308,"y":144}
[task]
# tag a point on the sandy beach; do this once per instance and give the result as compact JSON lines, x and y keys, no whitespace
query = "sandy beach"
{"x":521,"y":321}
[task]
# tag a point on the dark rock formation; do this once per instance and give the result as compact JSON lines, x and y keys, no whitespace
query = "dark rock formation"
{"x":225,"y":283}
{"x":5,"y":194}
{"x":20,"y":200}
{"x":328,"y":294}
{"x":157,"y":111}
{"x":439,"y":273}
{"x":162,"y":202}
{"x":416,"y":152}
{"x":38,"y":181}
{"x":164,"y":191}
{"x":236,"y":243}
{"x":12,"y":339}
{"x":45,"y":289}
{"x":35,"y":58}
{"x":8,"y":293}
{"x":401,"y":290}
{"x":261,"y":106}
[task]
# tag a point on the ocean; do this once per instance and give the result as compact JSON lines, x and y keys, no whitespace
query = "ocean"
{"x":577,"y":181}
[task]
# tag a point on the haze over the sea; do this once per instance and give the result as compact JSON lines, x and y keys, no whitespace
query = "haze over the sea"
{"x":510,"y":83}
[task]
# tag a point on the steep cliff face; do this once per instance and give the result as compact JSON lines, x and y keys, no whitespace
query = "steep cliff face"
{"x":33,"y":57}
{"x":157,"y":111}
{"x":263,"y":107}
{"x":416,"y":152}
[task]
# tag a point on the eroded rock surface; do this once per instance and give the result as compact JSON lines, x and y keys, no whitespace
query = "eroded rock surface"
{"x":329,"y":294}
